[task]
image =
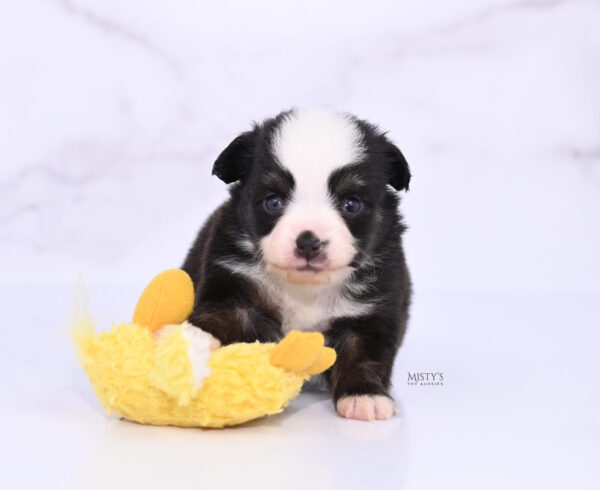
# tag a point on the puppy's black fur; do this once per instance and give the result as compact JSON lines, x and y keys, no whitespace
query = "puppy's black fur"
{"x":231,"y":306}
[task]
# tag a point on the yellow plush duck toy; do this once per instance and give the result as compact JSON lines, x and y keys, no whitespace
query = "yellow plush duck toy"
{"x":161,"y":370}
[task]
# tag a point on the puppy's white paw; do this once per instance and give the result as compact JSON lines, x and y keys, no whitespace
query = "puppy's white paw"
{"x":199,"y":338}
{"x":366,"y":407}
{"x":194,"y":335}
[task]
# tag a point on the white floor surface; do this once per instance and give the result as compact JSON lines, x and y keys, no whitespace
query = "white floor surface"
{"x":519,"y":408}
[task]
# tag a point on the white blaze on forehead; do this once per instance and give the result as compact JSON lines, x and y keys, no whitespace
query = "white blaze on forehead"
{"x":311,"y":144}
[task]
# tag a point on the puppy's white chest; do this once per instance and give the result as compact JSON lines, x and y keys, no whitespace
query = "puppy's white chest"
{"x":302,"y":316}
{"x":313,"y":309}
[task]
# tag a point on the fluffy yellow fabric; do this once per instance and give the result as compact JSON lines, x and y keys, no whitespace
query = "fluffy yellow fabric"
{"x":172,"y":372}
{"x":151,"y":382}
{"x":150,"y":379}
{"x":118,"y":364}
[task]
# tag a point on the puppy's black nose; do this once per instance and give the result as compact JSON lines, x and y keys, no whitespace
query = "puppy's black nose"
{"x":308,"y":245}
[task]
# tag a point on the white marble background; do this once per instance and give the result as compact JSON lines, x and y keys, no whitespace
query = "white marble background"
{"x":111,"y":114}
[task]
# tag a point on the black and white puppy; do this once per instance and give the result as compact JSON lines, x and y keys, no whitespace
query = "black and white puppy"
{"x":310,"y":239}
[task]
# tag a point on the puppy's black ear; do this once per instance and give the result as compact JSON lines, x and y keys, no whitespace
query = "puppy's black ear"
{"x":234,"y":161}
{"x":399,"y":173}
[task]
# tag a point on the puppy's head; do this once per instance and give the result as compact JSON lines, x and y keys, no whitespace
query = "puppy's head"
{"x":312,"y":191}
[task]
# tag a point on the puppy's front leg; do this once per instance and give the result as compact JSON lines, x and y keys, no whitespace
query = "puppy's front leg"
{"x":360,"y":378}
{"x":240,"y":323}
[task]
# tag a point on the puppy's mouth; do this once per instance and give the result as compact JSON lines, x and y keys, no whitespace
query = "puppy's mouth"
{"x":309,"y":274}
{"x":308,"y":267}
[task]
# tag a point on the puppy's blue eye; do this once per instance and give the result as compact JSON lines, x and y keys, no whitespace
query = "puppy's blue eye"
{"x":352,"y":205}
{"x":273,"y":203}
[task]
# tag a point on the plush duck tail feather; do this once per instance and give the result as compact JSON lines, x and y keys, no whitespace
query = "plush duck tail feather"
{"x":303,"y":352}
{"x":82,"y":332}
